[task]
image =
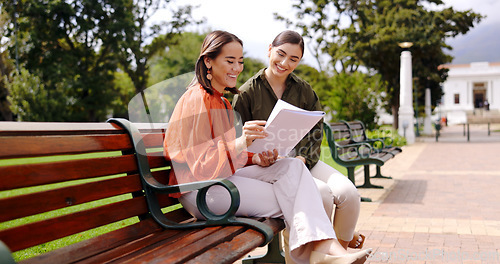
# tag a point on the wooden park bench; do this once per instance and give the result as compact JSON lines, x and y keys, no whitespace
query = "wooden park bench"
{"x":61,"y":179}
{"x":350,"y":152}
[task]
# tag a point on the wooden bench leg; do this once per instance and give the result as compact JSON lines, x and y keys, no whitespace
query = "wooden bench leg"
{"x":379,"y":174}
{"x":367,"y":183}
{"x":274,"y":253}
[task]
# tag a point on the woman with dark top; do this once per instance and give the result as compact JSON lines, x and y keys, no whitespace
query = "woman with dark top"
{"x":256,"y":100}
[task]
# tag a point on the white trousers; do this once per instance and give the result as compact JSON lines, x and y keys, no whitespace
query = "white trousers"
{"x":287,"y":190}
{"x":341,"y":200}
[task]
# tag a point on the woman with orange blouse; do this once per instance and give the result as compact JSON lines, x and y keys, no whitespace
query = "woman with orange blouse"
{"x":202,"y":143}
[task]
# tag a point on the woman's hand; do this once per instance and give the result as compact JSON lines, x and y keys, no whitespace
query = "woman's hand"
{"x":301,"y":158}
{"x":266,"y":158}
{"x":252,"y":130}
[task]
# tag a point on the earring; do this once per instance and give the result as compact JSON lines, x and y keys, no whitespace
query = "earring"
{"x":209,"y":74}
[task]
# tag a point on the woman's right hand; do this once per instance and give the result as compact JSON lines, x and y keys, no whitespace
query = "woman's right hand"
{"x":252,"y":130}
{"x":266,"y":158}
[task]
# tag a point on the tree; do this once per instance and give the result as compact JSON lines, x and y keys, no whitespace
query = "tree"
{"x":79,"y":45}
{"x":366,"y":33}
{"x":30,"y":100}
{"x":355,"y":96}
{"x":6,"y":67}
{"x":178,"y":59}
{"x":347,"y":96}
{"x":134,"y":51}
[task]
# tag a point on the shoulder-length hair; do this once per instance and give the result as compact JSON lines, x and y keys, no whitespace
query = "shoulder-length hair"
{"x":211,"y":48}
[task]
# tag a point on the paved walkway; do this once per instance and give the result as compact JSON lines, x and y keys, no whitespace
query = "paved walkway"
{"x":442,"y":205}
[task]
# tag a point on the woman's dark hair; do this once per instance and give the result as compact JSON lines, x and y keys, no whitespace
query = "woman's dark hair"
{"x":289,"y":36}
{"x":211,"y":48}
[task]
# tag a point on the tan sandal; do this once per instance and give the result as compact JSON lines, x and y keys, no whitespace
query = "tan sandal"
{"x":356,"y":242}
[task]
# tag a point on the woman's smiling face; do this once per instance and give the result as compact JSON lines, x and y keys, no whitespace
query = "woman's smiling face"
{"x":226,"y":66}
{"x":283,"y":59}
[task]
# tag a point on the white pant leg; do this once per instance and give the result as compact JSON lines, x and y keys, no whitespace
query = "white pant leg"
{"x":346,"y":199}
{"x":328,"y":203}
{"x":295,"y":194}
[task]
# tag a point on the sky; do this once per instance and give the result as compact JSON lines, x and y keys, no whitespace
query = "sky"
{"x":254,"y":23}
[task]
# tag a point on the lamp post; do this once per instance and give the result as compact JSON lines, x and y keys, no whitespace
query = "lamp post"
{"x":406,"y":113}
{"x":417,"y":132}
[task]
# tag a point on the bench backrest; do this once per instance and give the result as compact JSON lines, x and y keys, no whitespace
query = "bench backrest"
{"x":339,"y":135}
{"x":59,"y":179}
{"x":358,"y":132}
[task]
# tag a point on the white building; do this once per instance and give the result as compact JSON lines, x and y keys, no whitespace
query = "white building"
{"x":471,"y":89}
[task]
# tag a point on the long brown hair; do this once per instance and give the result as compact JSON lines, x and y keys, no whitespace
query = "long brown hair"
{"x":211,"y":48}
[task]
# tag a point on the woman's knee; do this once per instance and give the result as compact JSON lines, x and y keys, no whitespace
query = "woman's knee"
{"x":345,"y":192}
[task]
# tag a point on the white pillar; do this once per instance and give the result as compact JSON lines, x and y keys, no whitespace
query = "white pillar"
{"x":427,"y":119}
{"x":406,"y":123}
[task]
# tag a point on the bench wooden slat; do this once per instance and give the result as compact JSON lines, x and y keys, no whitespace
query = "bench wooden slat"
{"x":93,"y":246}
{"x":165,"y":247}
{"x":153,"y":140}
{"x":27,"y":175}
{"x":61,"y":145}
{"x":32,"y":234}
{"x":198,"y":242}
{"x":57,"y":128}
{"x":89,"y":249}
{"x":34,"y":203}
{"x":237,"y":246}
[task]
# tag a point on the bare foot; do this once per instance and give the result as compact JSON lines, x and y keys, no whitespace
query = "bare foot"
{"x":357,"y":241}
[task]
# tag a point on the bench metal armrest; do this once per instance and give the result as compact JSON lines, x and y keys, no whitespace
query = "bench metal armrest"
{"x":5,"y":254}
{"x":151,"y":186}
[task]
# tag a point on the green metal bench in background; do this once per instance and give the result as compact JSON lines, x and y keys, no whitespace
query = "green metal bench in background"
{"x":379,"y":144}
{"x":350,"y":153}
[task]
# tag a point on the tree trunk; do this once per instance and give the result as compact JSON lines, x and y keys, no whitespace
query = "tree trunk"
{"x":395,"y":115}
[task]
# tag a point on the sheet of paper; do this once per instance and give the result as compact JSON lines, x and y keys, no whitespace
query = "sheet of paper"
{"x":286,"y":126}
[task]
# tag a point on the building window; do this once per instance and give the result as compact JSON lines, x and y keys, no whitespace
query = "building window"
{"x":457,"y":98}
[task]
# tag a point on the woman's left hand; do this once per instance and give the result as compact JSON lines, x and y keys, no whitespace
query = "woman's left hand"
{"x":265,"y":158}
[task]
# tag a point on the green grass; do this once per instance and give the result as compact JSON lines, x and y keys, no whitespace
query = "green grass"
{"x":326,"y":157}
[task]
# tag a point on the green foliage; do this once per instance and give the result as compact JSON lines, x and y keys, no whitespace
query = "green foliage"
{"x":344,"y":96}
{"x":134,"y":50}
{"x":252,"y":66}
{"x":395,"y":139}
{"x":366,"y":33}
{"x":77,"y":46}
{"x":68,"y":44}
{"x":178,"y":59}
{"x":355,"y":96}
{"x":6,"y":66}
{"x":31,"y":101}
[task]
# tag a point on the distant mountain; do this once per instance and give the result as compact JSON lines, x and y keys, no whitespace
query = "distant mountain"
{"x":481,"y":43}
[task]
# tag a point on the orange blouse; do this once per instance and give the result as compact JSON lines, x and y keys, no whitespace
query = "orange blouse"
{"x":200,"y":140}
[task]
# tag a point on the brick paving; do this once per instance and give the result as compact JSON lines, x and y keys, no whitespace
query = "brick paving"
{"x":442,"y":205}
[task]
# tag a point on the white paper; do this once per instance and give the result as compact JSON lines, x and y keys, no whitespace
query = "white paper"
{"x":286,"y":126}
